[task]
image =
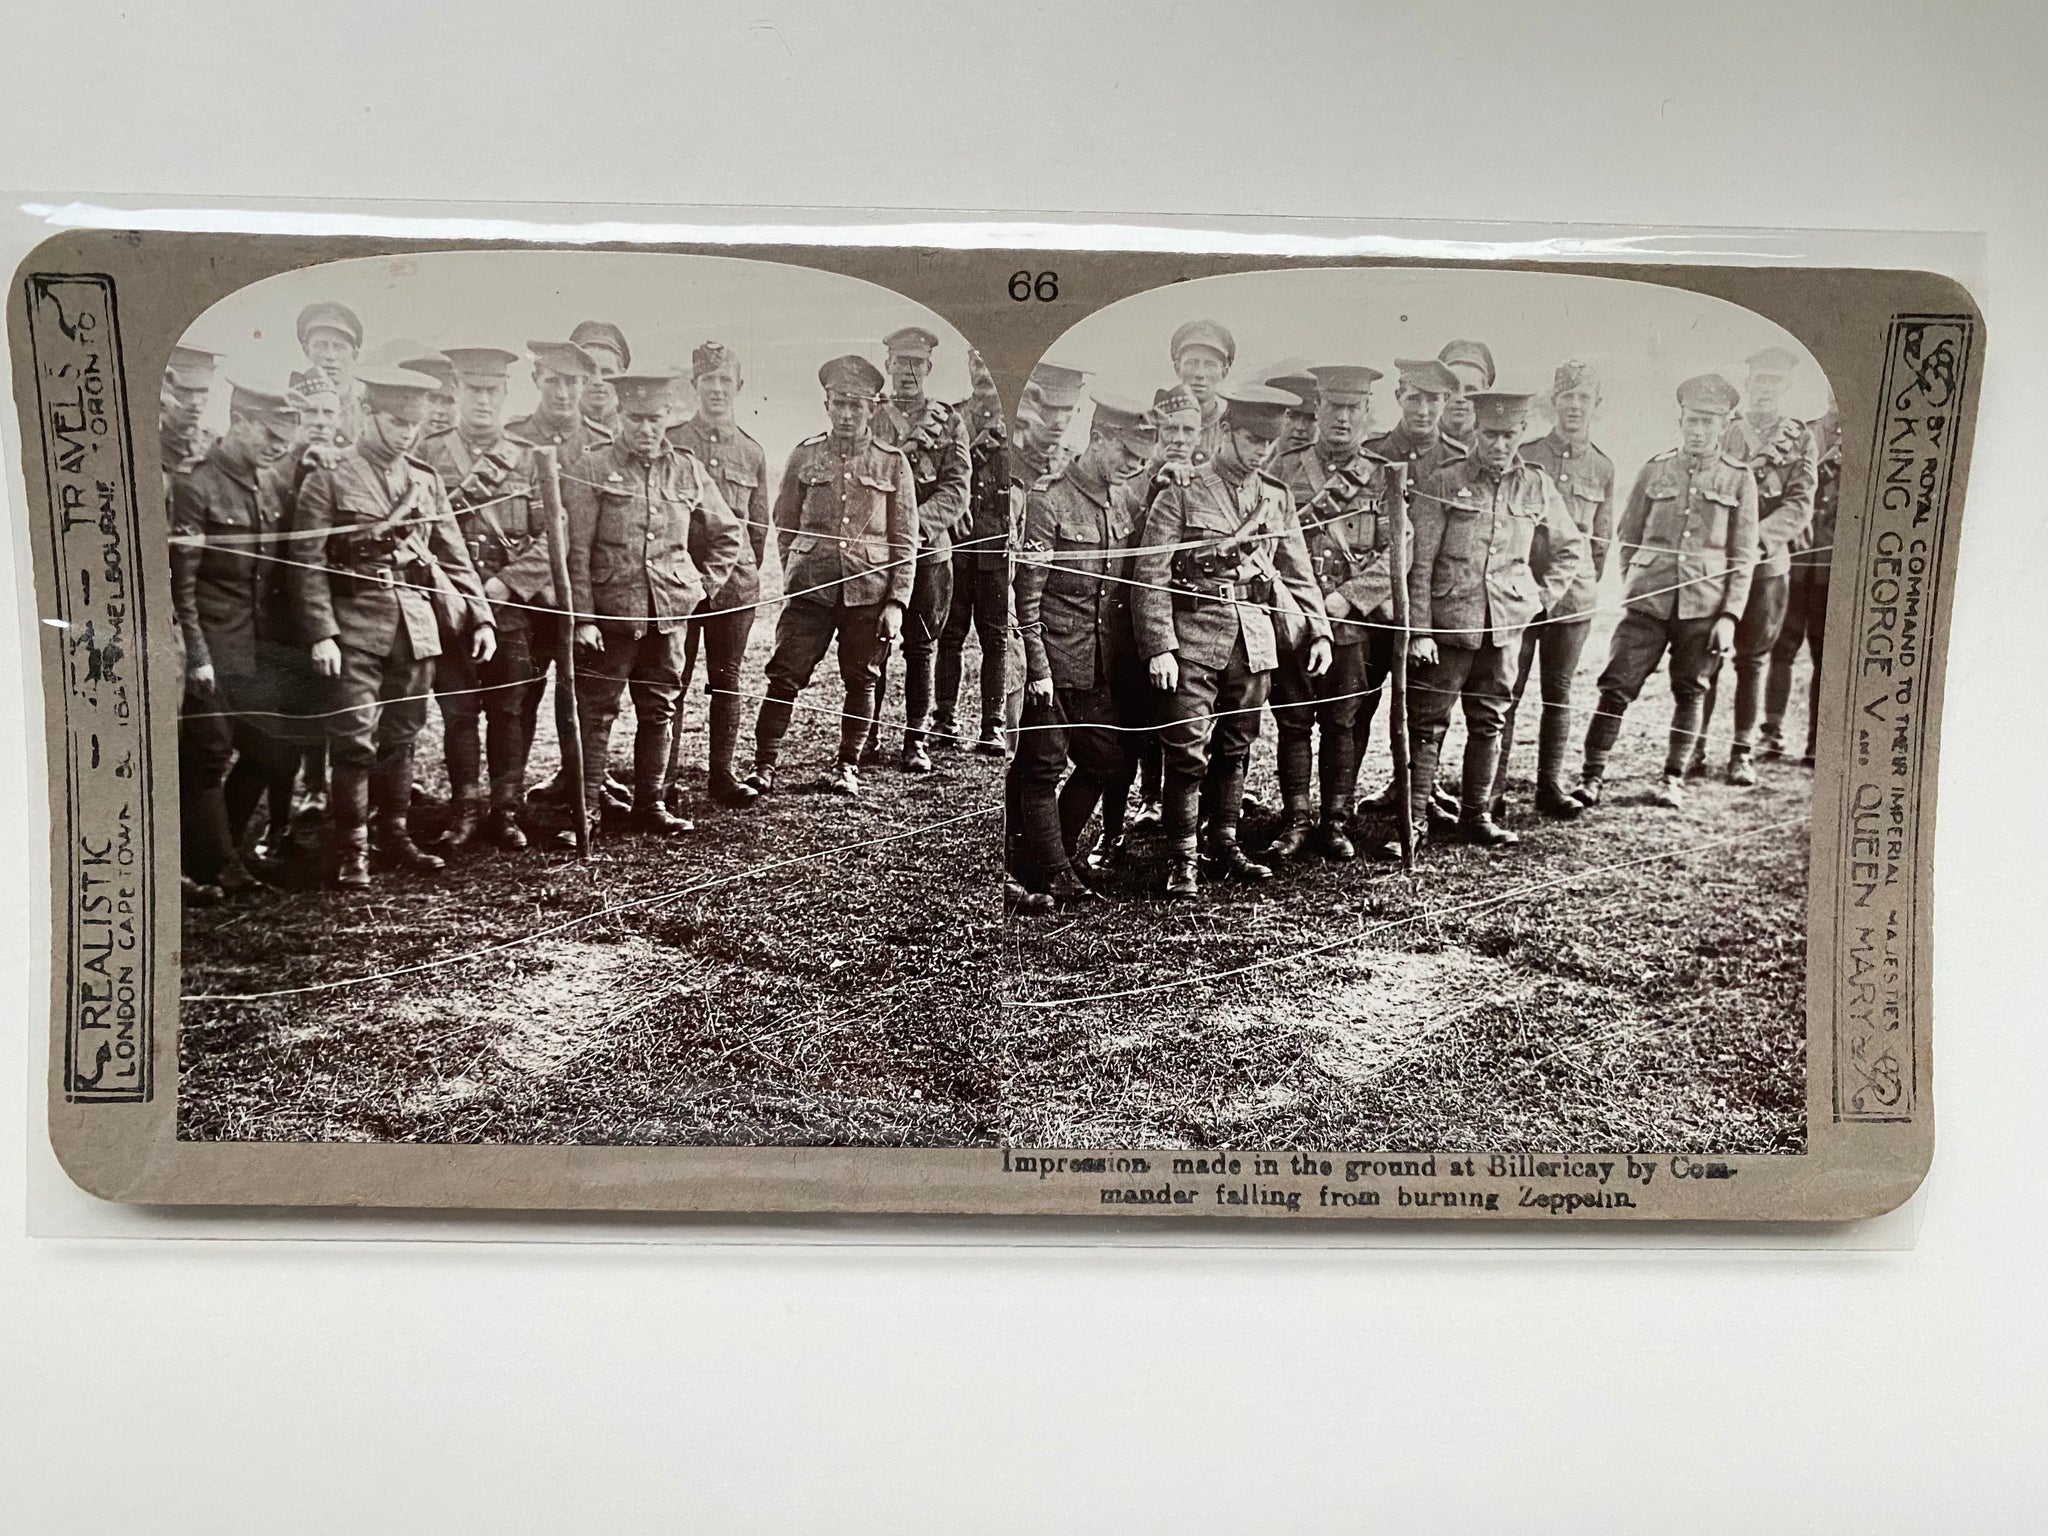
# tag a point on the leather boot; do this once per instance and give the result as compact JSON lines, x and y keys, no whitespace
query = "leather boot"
{"x":1296,"y":762}
{"x":1226,"y":805}
{"x":1180,"y":812}
{"x":1475,"y":796}
{"x":348,"y":827}
{"x":1019,"y":902}
{"x":1336,"y":774}
{"x":1741,"y":771}
{"x":465,"y":820}
{"x":650,"y":770}
{"x":724,"y":731}
{"x":503,"y":827}
{"x":857,"y":726}
{"x":1553,"y":743}
{"x":391,"y":794}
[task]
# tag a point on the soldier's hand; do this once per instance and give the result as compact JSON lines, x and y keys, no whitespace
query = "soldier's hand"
{"x":1318,"y":661}
{"x":483,"y":645}
{"x":1422,"y":649}
{"x":1723,"y":637}
{"x":590,"y":637}
{"x":327,"y":658}
{"x":889,"y":623}
{"x":1165,"y":671}
{"x":202,"y":678}
{"x":1039,"y":690}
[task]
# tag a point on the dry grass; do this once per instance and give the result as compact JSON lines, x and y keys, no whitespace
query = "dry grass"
{"x":1652,"y":1000}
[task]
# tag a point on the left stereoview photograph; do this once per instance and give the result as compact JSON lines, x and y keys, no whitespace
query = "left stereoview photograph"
{"x":572,"y":746}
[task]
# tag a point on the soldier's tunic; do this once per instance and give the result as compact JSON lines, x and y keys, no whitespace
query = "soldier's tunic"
{"x":846,"y":525}
{"x":1424,"y":456}
{"x":490,"y":484}
{"x":1782,"y":457}
{"x":1472,"y":590}
{"x":1806,"y":607}
{"x":579,"y":437}
{"x":380,"y":528}
{"x":739,"y":467}
{"x":225,"y":583}
{"x":1211,"y":556}
{"x":1075,"y":530}
{"x":1210,"y":443}
{"x":1584,"y":477}
{"x":981,"y":573}
{"x":1688,"y":537}
{"x":934,"y":439}
{"x":1340,"y":502}
{"x":632,"y":524}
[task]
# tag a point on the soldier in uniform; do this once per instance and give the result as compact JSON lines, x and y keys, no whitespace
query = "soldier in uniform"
{"x":561,"y":371}
{"x":1339,"y":491}
{"x":1806,"y":607}
{"x":1584,"y":477}
{"x":181,"y":403}
{"x":224,"y":572}
{"x":384,"y":562}
{"x":1300,"y":426}
{"x":1177,"y":426}
{"x":981,"y":570}
{"x":1211,"y":562}
{"x":1471,"y":592}
{"x":440,"y":401}
{"x":720,"y":627}
{"x":605,"y":344}
{"x":846,"y":525}
{"x":1076,"y":629}
{"x":1781,"y":455}
{"x":1203,"y":352}
{"x":489,"y":709}
{"x":1471,"y":364}
{"x":637,"y":507}
{"x":331,"y":337}
{"x":1688,"y":539}
{"x":934,"y":439}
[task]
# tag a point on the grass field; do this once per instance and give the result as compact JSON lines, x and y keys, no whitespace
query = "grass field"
{"x":814,"y":971}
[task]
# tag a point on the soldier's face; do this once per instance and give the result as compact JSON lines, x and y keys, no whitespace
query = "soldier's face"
{"x":330,"y":351}
{"x":1457,"y":416}
{"x":717,"y":392}
{"x":1700,"y":431}
{"x":906,"y":375}
{"x":1421,"y":409}
{"x":1575,"y":408}
{"x":1120,"y":459}
{"x":1494,"y":447}
{"x":640,"y":430}
{"x":1301,"y":429}
{"x":1766,"y":393}
{"x":479,"y":403}
{"x":599,"y":399}
{"x":1178,"y":436}
{"x":983,"y":382}
{"x":440,"y":412}
{"x":320,"y":420}
{"x":1047,"y":423}
{"x":399,"y":432}
{"x":1252,"y":445}
{"x":1340,"y":420}
{"x":849,"y":414}
{"x":182,"y":405}
{"x":560,"y":393}
{"x":1202,"y":370}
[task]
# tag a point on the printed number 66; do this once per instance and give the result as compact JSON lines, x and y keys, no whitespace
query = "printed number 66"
{"x":1042,"y":286}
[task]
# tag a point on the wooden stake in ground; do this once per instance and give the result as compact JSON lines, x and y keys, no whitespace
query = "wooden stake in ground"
{"x":565,"y":656}
{"x":1397,"y":725}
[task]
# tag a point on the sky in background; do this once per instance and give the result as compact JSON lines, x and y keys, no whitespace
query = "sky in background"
{"x":782,"y":320}
{"x":1644,"y":339}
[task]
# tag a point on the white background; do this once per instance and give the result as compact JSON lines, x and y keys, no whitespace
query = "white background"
{"x":227,"y":1387}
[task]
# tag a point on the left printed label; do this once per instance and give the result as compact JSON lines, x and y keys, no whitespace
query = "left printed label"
{"x":104,"y":898}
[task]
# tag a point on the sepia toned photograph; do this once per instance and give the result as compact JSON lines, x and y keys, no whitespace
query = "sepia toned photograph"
{"x":592,"y":712}
{"x":1418,"y":728}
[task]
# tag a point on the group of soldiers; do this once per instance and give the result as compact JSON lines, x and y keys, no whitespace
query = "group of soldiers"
{"x":372,"y":533}
{"x":1231,"y":546}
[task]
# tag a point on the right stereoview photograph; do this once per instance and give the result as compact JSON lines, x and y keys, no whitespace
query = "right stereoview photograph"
{"x":1414,"y":716}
